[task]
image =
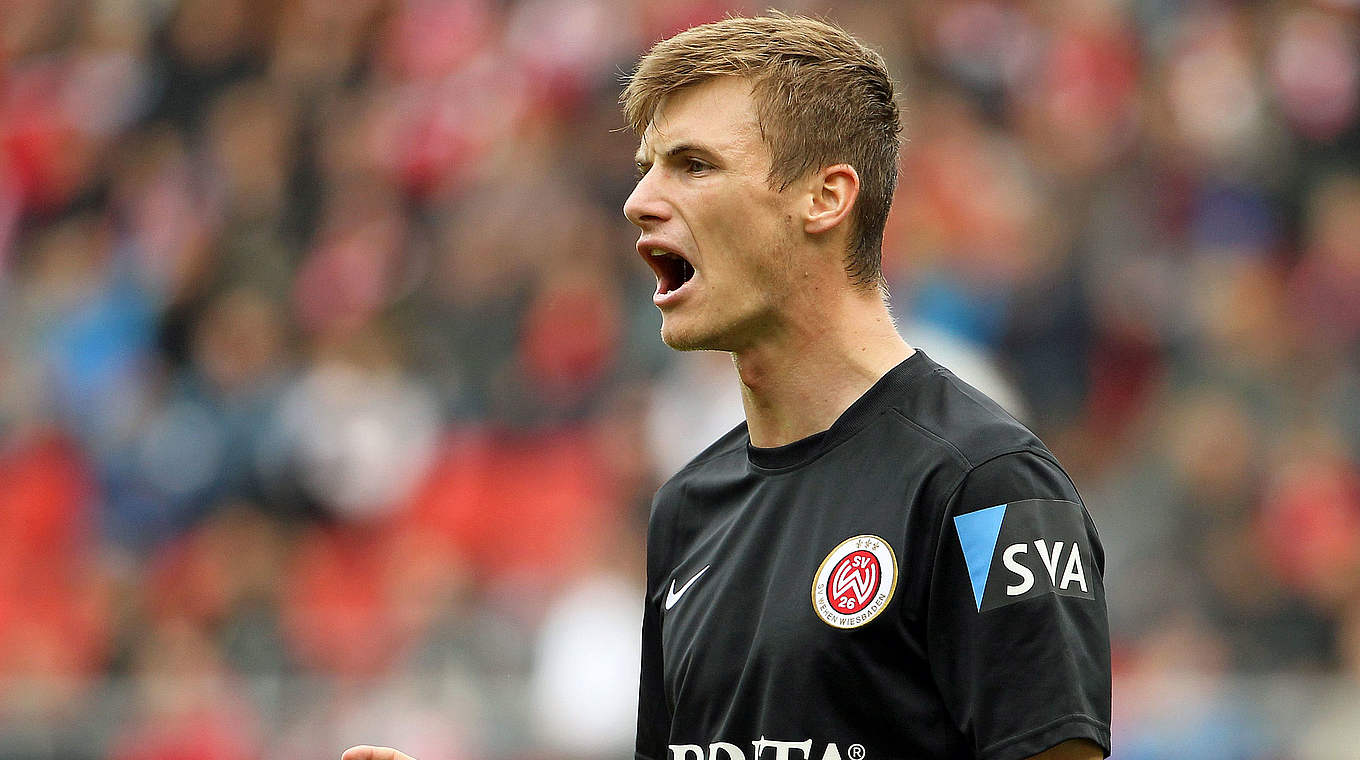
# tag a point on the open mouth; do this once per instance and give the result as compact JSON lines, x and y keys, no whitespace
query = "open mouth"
{"x":672,"y":270}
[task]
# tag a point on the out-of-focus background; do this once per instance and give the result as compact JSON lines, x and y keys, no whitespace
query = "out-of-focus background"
{"x":332,"y":402}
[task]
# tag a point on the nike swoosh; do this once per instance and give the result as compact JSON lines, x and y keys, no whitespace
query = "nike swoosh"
{"x":673,"y":596}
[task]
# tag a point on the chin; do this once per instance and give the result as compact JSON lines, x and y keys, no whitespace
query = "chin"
{"x":688,"y":340}
{"x":683,"y":342}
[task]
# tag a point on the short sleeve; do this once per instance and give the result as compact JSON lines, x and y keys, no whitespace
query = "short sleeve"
{"x":654,"y":718}
{"x":1017,"y":629}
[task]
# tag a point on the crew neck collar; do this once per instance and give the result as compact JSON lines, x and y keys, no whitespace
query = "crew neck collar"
{"x":865,"y":408}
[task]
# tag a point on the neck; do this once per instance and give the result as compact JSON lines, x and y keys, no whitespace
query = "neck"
{"x":797,"y":381}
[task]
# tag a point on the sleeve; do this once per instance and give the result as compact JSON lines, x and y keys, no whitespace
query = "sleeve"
{"x":1017,"y":629}
{"x":654,"y":721}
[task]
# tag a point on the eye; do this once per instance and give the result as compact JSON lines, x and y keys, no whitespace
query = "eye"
{"x":695,"y":166}
{"x":641,"y":169}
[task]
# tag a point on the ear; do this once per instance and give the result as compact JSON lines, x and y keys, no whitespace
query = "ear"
{"x":834,"y":191}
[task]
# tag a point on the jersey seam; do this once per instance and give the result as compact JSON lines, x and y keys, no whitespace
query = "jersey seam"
{"x":1068,"y":718}
{"x":674,"y":538}
{"x":975,"y":402}
{"x":1086,"y":514}
{"x":958,"y":484}
{"x":737,"y":447}
{"x":933,"y":436}
{"x":1090,"y":523}
{"x":1021,"y":449}
{"x":660,"y":613}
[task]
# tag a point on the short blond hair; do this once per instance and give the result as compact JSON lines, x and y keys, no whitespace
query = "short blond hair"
{"x":822,"y":98}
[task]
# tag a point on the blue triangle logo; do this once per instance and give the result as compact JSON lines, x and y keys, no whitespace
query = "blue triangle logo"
{"x":978,"y":532}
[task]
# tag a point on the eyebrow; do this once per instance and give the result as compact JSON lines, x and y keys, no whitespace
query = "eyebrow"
{"x":677,"y":150}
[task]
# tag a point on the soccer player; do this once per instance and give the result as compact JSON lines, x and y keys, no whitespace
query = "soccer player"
{"x":880,"y":562}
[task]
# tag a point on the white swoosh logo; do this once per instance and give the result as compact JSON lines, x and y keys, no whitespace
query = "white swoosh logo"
{"x":673,"y":596}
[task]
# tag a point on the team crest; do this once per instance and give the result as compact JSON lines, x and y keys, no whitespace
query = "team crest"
{"x":855,"y":582}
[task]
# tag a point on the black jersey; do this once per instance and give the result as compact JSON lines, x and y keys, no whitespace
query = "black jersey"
{"x":919,"y":581}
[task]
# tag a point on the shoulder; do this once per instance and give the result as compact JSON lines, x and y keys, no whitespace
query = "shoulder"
{"x":982,"y":455}
{"x":965,"y":423}
{"x":721,"y":456}
{"x":723,"y":461}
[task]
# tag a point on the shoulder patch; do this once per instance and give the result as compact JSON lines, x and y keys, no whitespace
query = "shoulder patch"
{"x":1023,"y":549}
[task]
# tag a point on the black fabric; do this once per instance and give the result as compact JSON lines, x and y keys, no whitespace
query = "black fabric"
{"x":998,"y":651}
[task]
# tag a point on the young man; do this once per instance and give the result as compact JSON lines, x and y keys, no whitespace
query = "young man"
{"x":880,"y":563}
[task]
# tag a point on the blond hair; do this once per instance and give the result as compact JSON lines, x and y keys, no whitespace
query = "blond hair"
{"x":821,"y":98}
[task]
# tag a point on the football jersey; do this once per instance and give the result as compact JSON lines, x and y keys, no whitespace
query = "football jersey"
{"x":921,"y":580}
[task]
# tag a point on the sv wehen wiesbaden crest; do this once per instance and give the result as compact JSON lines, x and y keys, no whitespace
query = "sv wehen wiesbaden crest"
{"x":855,"y":582}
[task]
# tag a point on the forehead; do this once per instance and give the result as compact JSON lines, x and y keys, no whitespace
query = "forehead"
{"x":719,"y":114}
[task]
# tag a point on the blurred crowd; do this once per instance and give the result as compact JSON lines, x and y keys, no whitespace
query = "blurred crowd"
{"x":332,"y":401}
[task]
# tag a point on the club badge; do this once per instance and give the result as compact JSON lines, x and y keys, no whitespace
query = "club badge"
{"x":855,"y":582}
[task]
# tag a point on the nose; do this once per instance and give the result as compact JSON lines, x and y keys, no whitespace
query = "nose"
{"x":645,"y":205}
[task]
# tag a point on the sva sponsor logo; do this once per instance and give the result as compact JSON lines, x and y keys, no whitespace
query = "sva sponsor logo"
{"x":1072,"y":572}
{"x":766,"y":749}
{"x":1042,"y":546}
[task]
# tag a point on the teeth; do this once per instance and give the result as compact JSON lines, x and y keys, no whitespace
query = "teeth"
{"x":667,"y":277}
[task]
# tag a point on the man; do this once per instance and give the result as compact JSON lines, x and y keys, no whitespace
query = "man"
{"x":880,"y":562}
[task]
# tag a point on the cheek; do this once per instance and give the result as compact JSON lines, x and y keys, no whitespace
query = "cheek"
{"x":745,"y":230}
{"x":772,"y":242}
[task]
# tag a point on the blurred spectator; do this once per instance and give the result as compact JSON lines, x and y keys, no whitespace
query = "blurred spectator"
{"x":54,"y":601}
{"x":1324,"y":283}
{"x":1315,"y":70}
{"x":187,"y":705}
{"x":331,"y":395}
{"x":359,"y":432}
{"x":1177,"y":703}
{"x":586,"y":657}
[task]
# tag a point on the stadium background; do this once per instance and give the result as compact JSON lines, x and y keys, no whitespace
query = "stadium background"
{"x":331,"y":399}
